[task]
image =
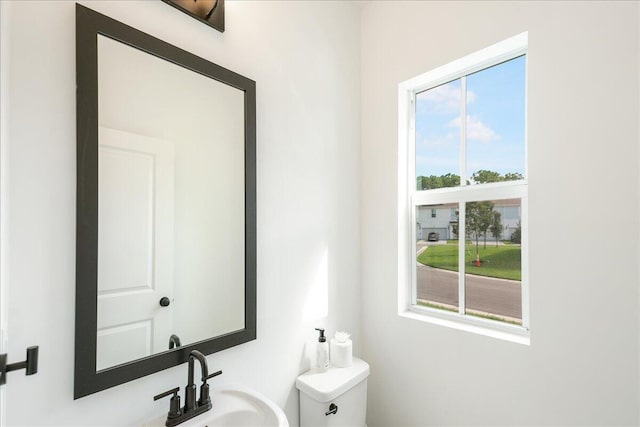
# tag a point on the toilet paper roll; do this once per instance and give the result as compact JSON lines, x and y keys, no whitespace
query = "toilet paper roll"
{"x":341,"y":353}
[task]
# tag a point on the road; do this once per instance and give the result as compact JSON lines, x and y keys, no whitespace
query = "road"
{"x":485,"y":294}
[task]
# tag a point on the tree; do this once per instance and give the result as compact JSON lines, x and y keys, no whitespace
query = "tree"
{"x":484,"y":176}
{"x":454,"y":225}
{"x":478,"y":219}
{"x":516,"y":236}
{"x":481,"y":176}
{"x":513,"y":176}
{"x":432,"y":181}
{"x":496,"y":226}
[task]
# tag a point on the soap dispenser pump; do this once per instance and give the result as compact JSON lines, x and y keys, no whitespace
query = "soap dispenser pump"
{"x":322,"y":352}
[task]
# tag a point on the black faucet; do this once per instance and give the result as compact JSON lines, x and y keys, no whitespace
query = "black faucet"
{"x":190,"y":390}
{"x":191,"y":408}
{"x":174,"y":341}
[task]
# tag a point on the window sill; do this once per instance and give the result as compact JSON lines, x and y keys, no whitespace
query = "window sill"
{"x":490,"y":328}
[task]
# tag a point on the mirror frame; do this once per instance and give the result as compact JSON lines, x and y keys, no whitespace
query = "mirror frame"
{"x":90,"y":24}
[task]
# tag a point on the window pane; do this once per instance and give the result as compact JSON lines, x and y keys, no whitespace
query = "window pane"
{"x":437,"y":256}
{"x":438,"y":136}
{"x":493,"y":284}
{"x":496,"y":122}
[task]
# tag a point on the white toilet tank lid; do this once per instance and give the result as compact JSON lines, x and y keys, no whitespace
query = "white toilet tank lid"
{"x":326,"y":386}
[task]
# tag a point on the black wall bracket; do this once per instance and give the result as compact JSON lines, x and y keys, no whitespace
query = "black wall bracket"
{"x":30,"y":365}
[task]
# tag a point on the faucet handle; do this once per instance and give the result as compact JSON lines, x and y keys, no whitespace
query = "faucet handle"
{"x":174,"y":405}
{"x":204,"y":389}
{"x":215,"y":374}
{"x":173,"y":391}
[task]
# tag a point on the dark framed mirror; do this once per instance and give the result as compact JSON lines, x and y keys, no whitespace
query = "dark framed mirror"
{"x":166,"y":205}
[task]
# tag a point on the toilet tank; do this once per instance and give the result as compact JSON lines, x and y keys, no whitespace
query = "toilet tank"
{"x":339,"y":390}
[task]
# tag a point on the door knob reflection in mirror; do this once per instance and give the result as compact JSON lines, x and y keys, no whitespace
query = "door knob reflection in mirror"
{"x":164,"y":302}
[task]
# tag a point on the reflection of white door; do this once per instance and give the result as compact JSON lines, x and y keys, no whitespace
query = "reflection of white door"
{"x":135,"y":246}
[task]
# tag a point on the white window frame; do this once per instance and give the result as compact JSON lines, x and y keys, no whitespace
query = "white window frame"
{"x":409,"y":197}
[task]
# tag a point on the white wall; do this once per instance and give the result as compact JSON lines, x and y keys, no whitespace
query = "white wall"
{"x":582,"y":365}
{"x":305,"y":60}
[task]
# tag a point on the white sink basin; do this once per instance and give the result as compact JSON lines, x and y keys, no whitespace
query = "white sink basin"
{"x":236,"y":406}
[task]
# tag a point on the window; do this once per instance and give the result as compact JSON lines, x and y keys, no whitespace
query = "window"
{"x":462,"y":146}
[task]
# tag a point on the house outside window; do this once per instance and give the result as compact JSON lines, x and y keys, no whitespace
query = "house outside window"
{"x":462,"y":146}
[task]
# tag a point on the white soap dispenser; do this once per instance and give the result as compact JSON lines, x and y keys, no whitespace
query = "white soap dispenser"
{"x":322,"y":352}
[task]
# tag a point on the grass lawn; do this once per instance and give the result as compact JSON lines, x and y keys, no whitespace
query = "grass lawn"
{"x":496,"y":261}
